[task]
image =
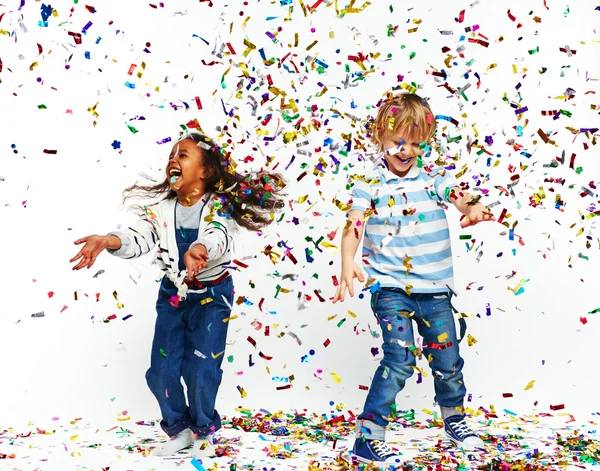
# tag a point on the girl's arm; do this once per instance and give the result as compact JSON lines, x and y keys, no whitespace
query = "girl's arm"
{"x":135,"y":241}
{"x":215,"y":237}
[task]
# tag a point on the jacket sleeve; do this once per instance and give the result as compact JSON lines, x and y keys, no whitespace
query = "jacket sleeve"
{"x":215,"y":234}
{"x":137,"y":240}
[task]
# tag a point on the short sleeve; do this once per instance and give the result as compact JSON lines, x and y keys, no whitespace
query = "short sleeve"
{"x":361,"y":196}
{"x":443,"y":184}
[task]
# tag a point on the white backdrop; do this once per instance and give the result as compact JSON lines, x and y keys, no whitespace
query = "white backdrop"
{"x":71,"y":363}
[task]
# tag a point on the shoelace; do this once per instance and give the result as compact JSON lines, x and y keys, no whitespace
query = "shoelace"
{"x":462,"y":429}
{"x":382,"y":449}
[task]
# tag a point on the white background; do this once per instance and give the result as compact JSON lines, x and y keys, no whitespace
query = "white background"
{"x":72,"y":364}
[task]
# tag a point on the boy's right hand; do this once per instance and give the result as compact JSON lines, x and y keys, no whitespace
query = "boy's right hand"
{"x":94,"y":244}
{"x":349,"y":271}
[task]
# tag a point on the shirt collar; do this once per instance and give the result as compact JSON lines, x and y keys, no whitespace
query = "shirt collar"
{"x":388,"y":175}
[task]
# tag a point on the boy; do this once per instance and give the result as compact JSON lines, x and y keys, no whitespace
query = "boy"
{"x":399,"y":207}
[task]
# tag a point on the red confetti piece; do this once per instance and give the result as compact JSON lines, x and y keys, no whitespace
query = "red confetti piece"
{"x":240,"y":264}
{"x":198,"y":104}
{"x":364,"y":388}
{"x":513,"y":18}
{"x":583,"y":320}
{"x":48,"y":151}
{"x":287,"y":386}
{"x":326,"y":343}
{"x":558,"y":407}
{"x":252,"y":341}
{"x":507,"y":395}
{"x":266,"y":357}
{"x":50,"y":294}
{"x":461,"y":17}
{"x":131,"y":69}
{"x":335,"y":280}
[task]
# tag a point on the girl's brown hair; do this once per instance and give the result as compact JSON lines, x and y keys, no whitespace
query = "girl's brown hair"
{"x":247,"y":198}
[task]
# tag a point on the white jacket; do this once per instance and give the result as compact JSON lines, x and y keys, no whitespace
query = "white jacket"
{"x":157,"y":227}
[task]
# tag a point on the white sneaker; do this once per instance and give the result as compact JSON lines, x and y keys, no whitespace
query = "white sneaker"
{"x":181,"y":441}
{"x":203,"y":447}
{"x":461,"y":434}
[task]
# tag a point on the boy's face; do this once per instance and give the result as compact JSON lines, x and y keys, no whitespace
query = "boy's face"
{"x":401,"y":162}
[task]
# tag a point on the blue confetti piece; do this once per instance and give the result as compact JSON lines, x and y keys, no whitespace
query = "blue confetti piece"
{"x":130,"y":85}
{"x":87,"y":54}
{"x":86,"y":27}
{"x":197,"y":465}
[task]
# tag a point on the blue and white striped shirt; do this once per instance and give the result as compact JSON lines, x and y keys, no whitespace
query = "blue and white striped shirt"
{"x":406,"y":238}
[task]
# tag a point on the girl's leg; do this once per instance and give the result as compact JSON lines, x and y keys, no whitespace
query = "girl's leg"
{"x":164,"y":375}
{"x":206,"y":336}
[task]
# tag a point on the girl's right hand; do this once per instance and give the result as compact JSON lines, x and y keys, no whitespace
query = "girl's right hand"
{"x":94,"y":244}
{"x":349,"y":272}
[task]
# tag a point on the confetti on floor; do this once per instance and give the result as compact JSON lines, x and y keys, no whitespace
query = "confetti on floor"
{"x":265,"y":441}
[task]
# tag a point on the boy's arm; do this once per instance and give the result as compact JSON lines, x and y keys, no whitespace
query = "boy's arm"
{"x":352,"y":235}
{"x":474,"y":211}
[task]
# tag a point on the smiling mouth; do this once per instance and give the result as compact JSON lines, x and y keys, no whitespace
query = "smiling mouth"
{"x":174,"y":175}
{"x":404,"y":161}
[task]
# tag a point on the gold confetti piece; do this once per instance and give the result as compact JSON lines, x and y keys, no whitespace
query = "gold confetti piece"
{"x":217,"y":355}
{"x":351,"y":313}
{"x":530,"y":384}
{"x":442,"y":337}
{"x":336,"y":378}
{"x":471,"y":340}
{"x":73,"y":437}
{"x":206,"y":301}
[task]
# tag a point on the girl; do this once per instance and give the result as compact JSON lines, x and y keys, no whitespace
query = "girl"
{"x":192,"y":228}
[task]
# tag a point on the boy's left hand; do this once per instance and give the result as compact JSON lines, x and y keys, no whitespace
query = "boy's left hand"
{"x":196,"y":260}
{"x":477,"y":213}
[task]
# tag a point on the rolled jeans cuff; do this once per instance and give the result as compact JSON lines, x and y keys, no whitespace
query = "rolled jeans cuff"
{"x":369,"y":430}
{"x":177,"y":427}
{"x":207,"y":429}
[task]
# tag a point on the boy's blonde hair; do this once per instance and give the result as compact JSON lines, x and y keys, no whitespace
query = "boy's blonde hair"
{"x":405,"y":113}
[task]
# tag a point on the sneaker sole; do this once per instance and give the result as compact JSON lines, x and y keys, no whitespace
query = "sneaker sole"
{"x":376,"y":463}
{"x":462,"y":447}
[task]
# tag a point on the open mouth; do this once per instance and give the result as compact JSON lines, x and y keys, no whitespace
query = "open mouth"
{"x":174,"y":175}
{"x":404,"y":161}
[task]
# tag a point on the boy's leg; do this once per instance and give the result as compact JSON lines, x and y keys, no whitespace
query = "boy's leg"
{"x":164,"y":375}
{"x":440,"y":343}
{"x":206,"y":337}
{"x":395,"y":367}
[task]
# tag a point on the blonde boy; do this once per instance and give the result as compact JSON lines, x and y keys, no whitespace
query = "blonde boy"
{"x":399,"y":207}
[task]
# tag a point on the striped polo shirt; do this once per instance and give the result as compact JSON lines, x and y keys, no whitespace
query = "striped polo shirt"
{"x":406,"y":239}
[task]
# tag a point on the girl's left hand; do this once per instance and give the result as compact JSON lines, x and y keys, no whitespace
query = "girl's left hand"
{"x":477,"y":213}
{"x":196,"y":260}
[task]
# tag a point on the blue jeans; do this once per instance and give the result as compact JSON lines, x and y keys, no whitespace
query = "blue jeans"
{"x":189,"y":342}
{"x":395,"y":311}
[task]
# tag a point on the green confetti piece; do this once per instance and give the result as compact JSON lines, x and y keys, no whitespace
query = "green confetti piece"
{"x":412,"y":55}
{"x":42,"y":107}
{"x":230,"y":358}
{"x":132,"y":129}
{"x":162,"y":353}
{"x":465,"y":237}
{"x":341,"y":322}
{"x":595,"y":311}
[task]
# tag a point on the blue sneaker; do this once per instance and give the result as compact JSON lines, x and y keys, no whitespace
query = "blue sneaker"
{"x":374,"y":451}
{"x":461,"y":434}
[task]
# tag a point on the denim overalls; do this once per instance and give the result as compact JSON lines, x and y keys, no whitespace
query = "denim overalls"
{"x":189,"y":342}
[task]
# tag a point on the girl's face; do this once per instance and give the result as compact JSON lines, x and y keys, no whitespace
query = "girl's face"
{"x":185,"y":171}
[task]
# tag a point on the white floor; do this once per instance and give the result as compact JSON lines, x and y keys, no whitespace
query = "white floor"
{"x":526,"y":443}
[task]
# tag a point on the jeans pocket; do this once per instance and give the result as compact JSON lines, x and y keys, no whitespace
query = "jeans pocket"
{"x":374,"y":299}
